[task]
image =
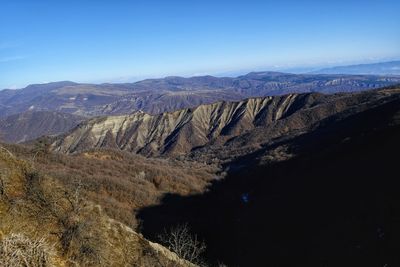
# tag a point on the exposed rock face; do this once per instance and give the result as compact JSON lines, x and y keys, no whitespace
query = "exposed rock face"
{"x":228,"y":125}
{"x":33,"y":124}
{"x":175,"y":132}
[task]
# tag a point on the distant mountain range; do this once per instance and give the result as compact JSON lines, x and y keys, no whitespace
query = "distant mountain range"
{"x":173,"y":93}
{"x":383,"y":68}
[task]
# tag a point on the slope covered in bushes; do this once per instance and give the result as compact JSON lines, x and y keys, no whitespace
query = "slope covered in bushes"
{"x":38,"y":214}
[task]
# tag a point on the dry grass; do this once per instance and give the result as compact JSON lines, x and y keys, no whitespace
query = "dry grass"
{"x":17,"y":250}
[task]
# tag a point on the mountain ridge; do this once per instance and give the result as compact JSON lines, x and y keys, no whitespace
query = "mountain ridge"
{"x":209,"y":131}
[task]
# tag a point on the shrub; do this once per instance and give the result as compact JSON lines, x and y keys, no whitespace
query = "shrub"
{"x":186,"y":245}
{"x":17,"y":250}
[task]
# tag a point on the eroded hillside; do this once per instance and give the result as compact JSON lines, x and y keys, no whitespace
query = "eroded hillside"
{"x":220,"y":130}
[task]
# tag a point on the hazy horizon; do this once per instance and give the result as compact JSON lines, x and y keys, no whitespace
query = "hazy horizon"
{"x":126,"y":41}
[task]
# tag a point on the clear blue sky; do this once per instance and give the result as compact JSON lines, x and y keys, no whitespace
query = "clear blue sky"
{"x":99,"y":40}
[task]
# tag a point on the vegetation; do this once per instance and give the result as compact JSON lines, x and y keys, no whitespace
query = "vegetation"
{"x":186,"y":245}
{"x":19,"y":250}
{"x":121,"y":183}
{"x":34,"y":205}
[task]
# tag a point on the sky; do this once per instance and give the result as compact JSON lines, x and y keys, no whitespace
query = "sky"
{"x":120,"y":40}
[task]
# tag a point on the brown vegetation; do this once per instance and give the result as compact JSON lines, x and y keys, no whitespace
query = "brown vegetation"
{"x":18,"y":250}
{"x":37,"y":210}
{"x":120,"y":182}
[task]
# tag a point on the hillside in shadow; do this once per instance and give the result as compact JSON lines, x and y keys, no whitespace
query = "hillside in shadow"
{"x":336,"y":203}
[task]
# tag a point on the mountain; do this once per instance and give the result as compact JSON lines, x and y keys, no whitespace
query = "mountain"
{"x":220,"y":130}
{"x":172,"y":93}
{"x":33,"y":124}
{"x":325,"y":197}
{"x":383,"y":68}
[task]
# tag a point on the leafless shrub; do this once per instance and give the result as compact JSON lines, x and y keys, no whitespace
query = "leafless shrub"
{"x":7,"y":151}
{"x":185,"y":244}
{"x":17,"y":250}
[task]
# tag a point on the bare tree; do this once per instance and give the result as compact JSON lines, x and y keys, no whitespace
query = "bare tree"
{"x":186,"y":245}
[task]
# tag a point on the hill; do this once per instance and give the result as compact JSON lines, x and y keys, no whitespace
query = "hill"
{"x":44,"y":223}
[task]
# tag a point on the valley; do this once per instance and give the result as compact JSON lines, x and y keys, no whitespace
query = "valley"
{"x":199,"y":133}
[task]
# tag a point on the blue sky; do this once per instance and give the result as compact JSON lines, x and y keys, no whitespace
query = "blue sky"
{"x":116,"y":40}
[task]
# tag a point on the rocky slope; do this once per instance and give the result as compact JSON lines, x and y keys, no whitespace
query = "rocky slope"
{"x":223,"y":129}
{"x":33,"y":124}
{"x":172,"y":93}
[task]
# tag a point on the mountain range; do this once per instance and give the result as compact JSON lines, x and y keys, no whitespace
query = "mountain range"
{"x":171,"y":93}
{"x":54,"y":108}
